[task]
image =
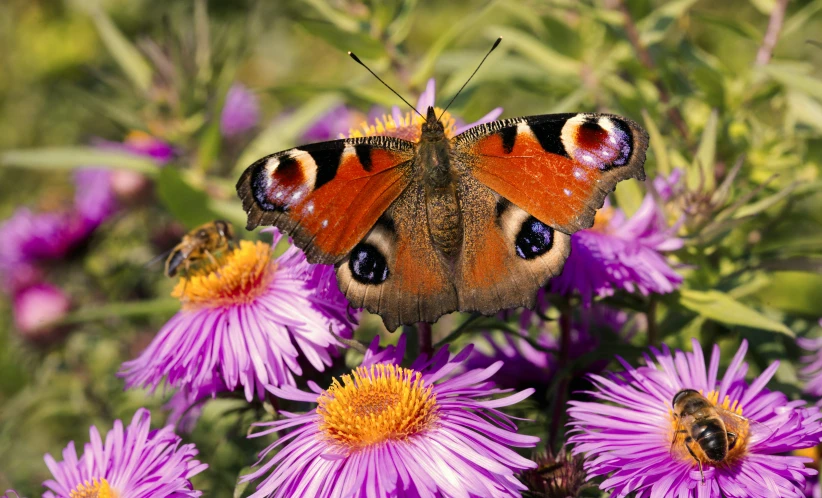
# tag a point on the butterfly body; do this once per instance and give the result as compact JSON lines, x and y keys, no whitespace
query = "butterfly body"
{"x":476,"y":222}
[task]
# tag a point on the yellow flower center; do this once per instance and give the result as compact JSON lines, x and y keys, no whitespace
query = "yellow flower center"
{"x":408,"y":128}
{"x":730,"y":414}
{"x":97,"y":489}
{"x":236,"y":277}
{"x":602,"y":219}
{"x":376,"y":404}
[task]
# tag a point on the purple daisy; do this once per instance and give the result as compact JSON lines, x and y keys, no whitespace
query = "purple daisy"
{"x":621,"y":253}
{"x":246,"y":322}
{"x":133,"y":462}
{"x":386,"y":430}
{"x":811,"y":371}
{"x":627,"y":433}
{"x":241,"y":111}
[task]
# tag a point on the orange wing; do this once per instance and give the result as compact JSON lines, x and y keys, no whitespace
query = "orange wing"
{"x":328,"y":195}
{"x":556,"y":167}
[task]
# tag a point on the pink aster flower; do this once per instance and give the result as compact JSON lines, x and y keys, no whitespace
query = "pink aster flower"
{"x":626,"y":433}
{"x":241,"y":111}
{"x":133,"y":462}
{"x":246,"y":323}
{"x":811,"y":371}
{"x":621,"y":253}
{"x":37,"y":306}
{"x":386,"y":430}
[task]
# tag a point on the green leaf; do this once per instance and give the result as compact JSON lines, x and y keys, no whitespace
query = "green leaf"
{"x":794,"y":80}
{"x":535,"y":50}
{"x":156,"y":307}
{"x":186,"y":202}
{"x":722,"y":308}
{"x":70,"y":158}
{"x":701,"y":172}
{"x":359,"y":42}
{"x":653,"y":27}
{"x":629,"y":196}
{"x":337,"y":18}
{"x":124,"y":53}
{"x":763,"y":204}
{"x":281,"y":135}
{"x":446,"y":39}
{"x":658,"y":146}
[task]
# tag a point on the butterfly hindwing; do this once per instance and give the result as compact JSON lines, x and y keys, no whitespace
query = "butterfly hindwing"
{"x":396,"y":271}
{"x":556,"y":167}
{"x":328,"y":195}
{"x":507,"y":254}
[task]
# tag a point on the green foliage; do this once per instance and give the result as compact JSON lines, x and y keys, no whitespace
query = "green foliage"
{"x":748,"y":138}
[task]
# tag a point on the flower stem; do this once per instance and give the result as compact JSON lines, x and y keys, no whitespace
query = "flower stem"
{"x":426,"y":338}
{"x":563,"y":359}
{"x":650,"y":315}
{"x":772,"y":34}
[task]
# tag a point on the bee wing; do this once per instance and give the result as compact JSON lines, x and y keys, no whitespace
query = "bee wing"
{"x":678,"y":435}
{"x":156,"y":259}
{"x":751,"y":430}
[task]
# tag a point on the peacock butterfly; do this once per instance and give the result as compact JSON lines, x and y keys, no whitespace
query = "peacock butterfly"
{"x":475,"y":222}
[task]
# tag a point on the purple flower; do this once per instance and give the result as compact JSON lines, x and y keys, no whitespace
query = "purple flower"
{"x":408,"y":125}
{"x":37,"y":306}
{"x":241,"y":111}
{"x":627,"y":433}
{"x":331,"y":125}
{"x":141,"y":143}
{"x":385,"y":430}
{"x":811,"y":371}
{"x":245,"y":322}
{"x":132,"y":462}
{"x":527,"y":365}
{"x":621,"y":253}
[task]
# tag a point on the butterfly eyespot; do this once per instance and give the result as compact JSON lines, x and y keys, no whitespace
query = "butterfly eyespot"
{"x":535,"y":238}
{"x":368,"y":265}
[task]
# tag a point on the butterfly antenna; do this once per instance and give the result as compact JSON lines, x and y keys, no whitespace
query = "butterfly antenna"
{"x":496,"y":43}
{"x":358,"y":61}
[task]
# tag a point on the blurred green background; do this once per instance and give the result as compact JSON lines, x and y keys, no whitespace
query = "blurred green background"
{"x":77,"y":71}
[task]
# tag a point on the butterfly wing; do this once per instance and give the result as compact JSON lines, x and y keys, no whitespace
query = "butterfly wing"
{"x":527,"y":184}
{"x":507,"y":254}
{"x":556,"y":167}
{"x":396,"y":271}
{"x":328,"y":195}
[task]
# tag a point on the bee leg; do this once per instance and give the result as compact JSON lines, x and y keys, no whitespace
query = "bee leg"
{"x":732,"y":437}
{"x":210,"y":257}
{"x":688,"y":440}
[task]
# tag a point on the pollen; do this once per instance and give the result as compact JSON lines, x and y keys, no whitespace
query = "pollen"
{"x":377,"y":404}
{"x":407,"y":127}
{"x":237,"y":276}
{"x":95,"y":489}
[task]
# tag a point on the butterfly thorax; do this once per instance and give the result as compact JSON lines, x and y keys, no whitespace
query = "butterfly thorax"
{"x":434,"y":153}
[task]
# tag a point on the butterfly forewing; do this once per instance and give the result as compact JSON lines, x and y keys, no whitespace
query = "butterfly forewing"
{"x":328,"y":195}
{"x":556,"y":167}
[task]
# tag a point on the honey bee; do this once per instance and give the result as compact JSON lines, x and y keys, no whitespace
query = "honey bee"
{"x":709,"y":433}
{"x":200,"y":244}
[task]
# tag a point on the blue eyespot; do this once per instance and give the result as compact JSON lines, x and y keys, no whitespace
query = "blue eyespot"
{"x":535,"y":238}
{"x":368,"y":265}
